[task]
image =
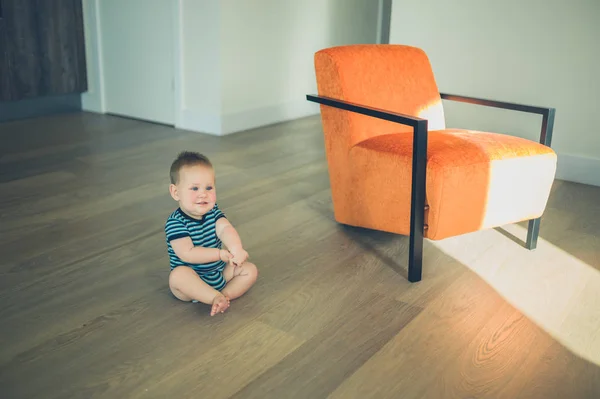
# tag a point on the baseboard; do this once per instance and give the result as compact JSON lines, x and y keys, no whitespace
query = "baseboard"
{"x":39,"y":106}
{"x":220,"y":125}
{"x":578,"y":169}
{"x":251,"y":119}
{"x":202,"y":122}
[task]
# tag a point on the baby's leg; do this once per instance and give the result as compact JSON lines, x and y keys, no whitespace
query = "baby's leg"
{"x":186,"y":285}
{"x":239,"y":279}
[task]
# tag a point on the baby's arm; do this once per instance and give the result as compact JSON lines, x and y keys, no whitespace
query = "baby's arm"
{"x":186,"y":251}
{"x":230,"y":237}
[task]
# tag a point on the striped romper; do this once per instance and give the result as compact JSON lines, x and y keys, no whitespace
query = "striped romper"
{"x":203,"y":233}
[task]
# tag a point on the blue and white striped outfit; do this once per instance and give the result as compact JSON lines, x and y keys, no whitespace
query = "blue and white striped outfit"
{"x":203,"y":233}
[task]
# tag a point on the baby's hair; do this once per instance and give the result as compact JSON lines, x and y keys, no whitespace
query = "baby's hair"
{"x":187,"y":158}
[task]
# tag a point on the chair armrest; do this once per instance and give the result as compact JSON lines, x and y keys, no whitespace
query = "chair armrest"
{"x":369,"y":111}
{"x":546,"y":112}
{"x":498,"y":104}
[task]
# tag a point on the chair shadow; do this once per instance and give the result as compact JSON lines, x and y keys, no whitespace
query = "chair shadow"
{"x":366,"y":239}
{"x":511,"y":236}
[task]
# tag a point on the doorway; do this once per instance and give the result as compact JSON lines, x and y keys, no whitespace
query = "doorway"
{"x":137,"y":39}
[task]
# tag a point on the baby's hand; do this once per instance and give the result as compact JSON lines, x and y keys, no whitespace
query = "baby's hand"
{"x":225,"y":255}
{"x":239,"y":256}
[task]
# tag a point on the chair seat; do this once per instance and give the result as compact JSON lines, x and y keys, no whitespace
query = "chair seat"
{"x":475,"y":180}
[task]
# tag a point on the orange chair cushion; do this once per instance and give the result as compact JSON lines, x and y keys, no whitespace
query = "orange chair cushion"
{"x":475,"y":180}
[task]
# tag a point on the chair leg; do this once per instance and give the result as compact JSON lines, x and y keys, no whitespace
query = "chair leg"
{"x":415,"y":256}
{"x":533,"y":231}
{"x":417,"y":203}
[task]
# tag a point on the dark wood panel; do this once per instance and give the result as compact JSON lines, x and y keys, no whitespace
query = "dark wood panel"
{"x":44,"y":49}
{"x":22,"y":49}
{"x":4,"y":61}
{"x":61,"y":46}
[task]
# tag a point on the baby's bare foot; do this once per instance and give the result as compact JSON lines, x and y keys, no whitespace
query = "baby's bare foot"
{"x":220,"y":304}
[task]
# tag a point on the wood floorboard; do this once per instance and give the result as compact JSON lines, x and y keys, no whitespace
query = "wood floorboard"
{"x":494,"y":364}
{"x":560,"y":374}
{"x":86,"y":311}
{"x":340,"y":347}
{"x":423,"y":352}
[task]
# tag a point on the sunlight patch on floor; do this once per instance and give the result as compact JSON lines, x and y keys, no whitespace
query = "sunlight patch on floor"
{"x":556,"y":290}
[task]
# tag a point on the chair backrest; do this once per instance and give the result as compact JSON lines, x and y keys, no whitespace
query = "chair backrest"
{"x":392,"y":77}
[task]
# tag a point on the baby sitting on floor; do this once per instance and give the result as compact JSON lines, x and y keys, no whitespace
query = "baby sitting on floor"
{"x":201,"y":270}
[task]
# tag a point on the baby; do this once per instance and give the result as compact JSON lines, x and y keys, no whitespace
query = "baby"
{"x":201,"y":271}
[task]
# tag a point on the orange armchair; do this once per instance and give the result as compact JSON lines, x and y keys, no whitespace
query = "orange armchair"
{"x":394,"y":166}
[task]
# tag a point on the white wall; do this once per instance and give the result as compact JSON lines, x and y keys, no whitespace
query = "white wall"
{"x":267,"y":60}
{"x":539,"y":52}
{"x":248,"y":63}
{"x":200,"y":23}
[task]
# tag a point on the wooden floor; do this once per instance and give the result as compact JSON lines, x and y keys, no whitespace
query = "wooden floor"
{"x":85,"y":310}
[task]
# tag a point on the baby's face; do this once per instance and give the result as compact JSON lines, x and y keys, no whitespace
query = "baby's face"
{"x":195,"y":190}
